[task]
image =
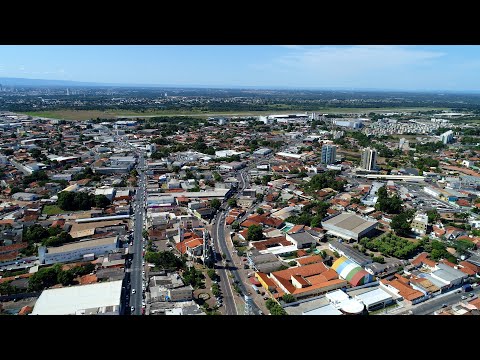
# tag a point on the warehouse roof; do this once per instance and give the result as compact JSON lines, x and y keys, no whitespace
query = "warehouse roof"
{"x":76,"y":299}
{"x":349,"y":222}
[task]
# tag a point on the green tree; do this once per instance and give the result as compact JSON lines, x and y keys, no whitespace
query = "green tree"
{"x":217,"y":177}
{"x":260,"y":211}
{"x":215,"y":204}
{"x":254,"y":233}
{"x":101,"y":201}
{"x":433,"y":216}
{"x":42,"y":279}
{"x":288,"y":298}
{"x":232,"y":202}
{"x":235,"y":225}
{"x":65,"y":278}
{"x":401,"y":223}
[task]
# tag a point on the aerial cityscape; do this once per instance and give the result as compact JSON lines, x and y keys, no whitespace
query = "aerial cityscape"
{"x":237,"y":180}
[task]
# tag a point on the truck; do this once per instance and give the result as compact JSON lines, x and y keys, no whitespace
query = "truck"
{"x":467,"y":287}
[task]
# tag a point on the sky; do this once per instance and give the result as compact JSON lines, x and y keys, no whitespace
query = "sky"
{"x":416,"y":68}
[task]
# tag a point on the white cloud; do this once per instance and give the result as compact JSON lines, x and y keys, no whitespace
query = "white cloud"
{"x":354,"y":58}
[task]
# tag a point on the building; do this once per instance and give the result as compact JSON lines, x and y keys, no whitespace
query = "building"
{"x":23,"y":196}
{"x":350,"y":253}
{"x":369,"y":159}
{"x":77,"y":250}
{"x":262,"y":152}
{"x":419,"y":224}
{"x":352,"y":272}
{"x":448,"y":275}
{"x":375,"y":299}
{"x":109,"y":192}
{"x":329,"y":154}
{"x":301,"y":239}
{"x":348,"y":226}
{"x":303,"y":281}
{"x":95,"y":299}
{"x":447,"y":137}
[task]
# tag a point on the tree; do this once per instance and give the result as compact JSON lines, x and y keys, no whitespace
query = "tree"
{"x":259,"y":197}
{"x":101,"y":201}
{"x":212,"y":274}
{"x":379,"y":259}
{"x":288,"y":298}
{"x":215,"y":204}
{"x":255,"y":233}
{"x":236,"y":225}
{"x":35,"y":234}
{"x":401,"y":223}
{"x":433,"y":216}
{"x":42,"y":279}
{"x":260,"y":211}
{"x":232,"y":202}
{"x":65,"y":278}
{"x":217,"y":176}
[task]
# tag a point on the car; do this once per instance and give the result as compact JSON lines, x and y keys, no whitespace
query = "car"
{"x":143,"y":272}
{"x":471,"y":295}
{"x":444,"y":305}
{"x":464,"y":297}
{"x":132,"y":308}
{"x":458,"y":291}
{"x":133,"y":291}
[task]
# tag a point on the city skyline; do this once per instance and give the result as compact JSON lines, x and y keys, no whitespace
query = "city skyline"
{"x":403,"y":68}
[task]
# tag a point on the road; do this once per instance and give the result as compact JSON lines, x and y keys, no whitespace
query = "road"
{"x":136,"y":267}
{"x":219,"y":241}
{"x":430,"y":306}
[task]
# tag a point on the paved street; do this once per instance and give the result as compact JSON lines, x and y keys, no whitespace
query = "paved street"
{"x":136,"y":267}
{"x":429,"y":306}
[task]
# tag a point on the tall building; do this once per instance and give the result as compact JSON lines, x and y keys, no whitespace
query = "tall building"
{"x":329,"y":153}
{"x":369,"y":159}
{"x":447,"y":137}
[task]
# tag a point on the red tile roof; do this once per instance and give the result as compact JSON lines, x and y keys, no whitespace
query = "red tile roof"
{"x":309,"y":259}
{"x":275,"y":241}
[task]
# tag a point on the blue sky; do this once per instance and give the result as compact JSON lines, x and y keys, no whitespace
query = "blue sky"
{"x":357,"y":67}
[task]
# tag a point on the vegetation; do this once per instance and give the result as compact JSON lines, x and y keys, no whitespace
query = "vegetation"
{"x":433,"y":216}
{"x":47,"y":277}
{"x":81,"y":201}
{"x":391,"y":245}
{"x":255,"y":233}
{"x":401,"y":222}
{"x":274,"y":307}
{"x":387,"y":204}
{"x":215,"y":204}
{"x":164,"y":260}
{"x":232,"y":202}
{"x":194,"y":277}
{"x":213,"y":275}
{"x":311,"y":215}
{"x":438,"y":250}
{"x":260,"y":211}
{"x":288,"y":298}
{"x":429,"y":147}
{"x":52,"y":210}
{"x":328,"y":179}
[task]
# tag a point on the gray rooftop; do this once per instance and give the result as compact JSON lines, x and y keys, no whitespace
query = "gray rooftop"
{"x":350,"y":222}
{"x":352,"y":253}
{"x":82,"y":244}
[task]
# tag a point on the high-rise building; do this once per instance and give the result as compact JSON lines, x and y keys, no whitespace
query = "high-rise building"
{"x":369,"y":159}
{"x":329,"y":153}
{"x":447,"y":137}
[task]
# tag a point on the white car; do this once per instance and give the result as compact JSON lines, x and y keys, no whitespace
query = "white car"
{"x":133,"y":291}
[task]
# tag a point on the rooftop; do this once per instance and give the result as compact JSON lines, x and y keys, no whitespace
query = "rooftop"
{"x":72,"y":300}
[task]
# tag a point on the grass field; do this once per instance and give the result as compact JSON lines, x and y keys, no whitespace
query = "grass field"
{"x":52,"y":210}
{"x":67,"y":114}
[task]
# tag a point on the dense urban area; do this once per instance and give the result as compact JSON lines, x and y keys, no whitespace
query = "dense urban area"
{"x":300,"y":210}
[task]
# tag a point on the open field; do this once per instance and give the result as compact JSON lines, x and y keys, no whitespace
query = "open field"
{"x":52,"y":210}
{"x":68,"y":114}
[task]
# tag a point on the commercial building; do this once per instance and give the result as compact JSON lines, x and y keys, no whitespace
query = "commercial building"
{"x":348,"y":226}
{"x":301,"y":239}
{"x":419,"y":224}
{"x":109,"y":192}
{"x":262,"y":152}
{"x":77,"y":250}
{"x":447,"y":137}
{"x":94,"y":299}
{"x":375,"y":299}
{"x":329,"y":154}
{"x":350,"y":253}
{"x":352,"y":272}
{"x":369,"y":159}
{"x":448,"y":275}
